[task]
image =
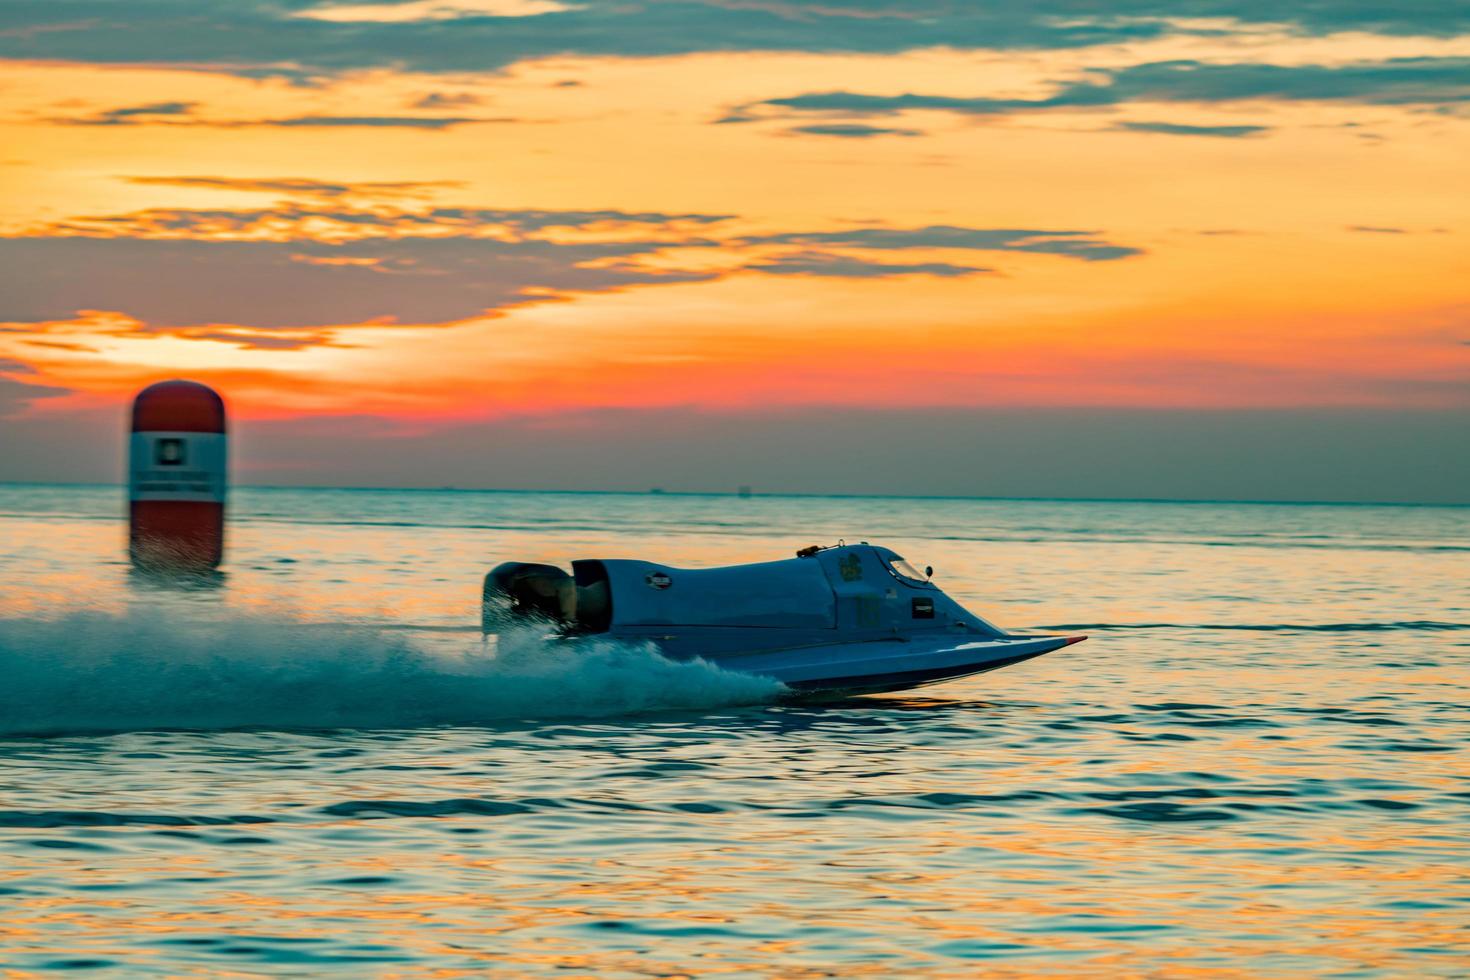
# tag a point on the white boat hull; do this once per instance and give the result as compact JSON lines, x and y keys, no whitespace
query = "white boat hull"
{"x":890,"y":664}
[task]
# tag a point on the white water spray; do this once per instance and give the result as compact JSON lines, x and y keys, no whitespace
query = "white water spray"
{"x":101,"y":672}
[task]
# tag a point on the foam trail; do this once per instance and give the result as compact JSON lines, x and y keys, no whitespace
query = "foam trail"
{"x":99,"y":672}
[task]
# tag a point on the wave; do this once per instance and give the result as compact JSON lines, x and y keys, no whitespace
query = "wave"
{"x":169,"y":668}
{"x":57,"y":819}
{"x":1415,"y":625}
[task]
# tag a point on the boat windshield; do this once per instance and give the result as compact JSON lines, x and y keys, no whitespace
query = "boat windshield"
{"x":902,"y":570}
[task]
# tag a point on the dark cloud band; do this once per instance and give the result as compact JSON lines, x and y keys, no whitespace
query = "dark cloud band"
{"x":270,"y":37}
{"x":207,"y":273}
{"x":1437,"y":82}
{"x":1183,"y":129}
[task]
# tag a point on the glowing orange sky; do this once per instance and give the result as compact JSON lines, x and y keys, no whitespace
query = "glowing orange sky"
{"x":585,"y":228}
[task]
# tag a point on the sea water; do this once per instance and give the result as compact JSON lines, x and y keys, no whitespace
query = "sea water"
{"x":313,"y":764}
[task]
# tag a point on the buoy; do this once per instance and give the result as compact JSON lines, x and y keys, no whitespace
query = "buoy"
{"x":177,"y":478}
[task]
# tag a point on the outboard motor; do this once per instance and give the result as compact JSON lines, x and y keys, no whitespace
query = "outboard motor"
{"x":517,"y":592}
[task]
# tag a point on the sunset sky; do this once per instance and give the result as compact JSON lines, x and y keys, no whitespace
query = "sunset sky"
{"x":1199,"y":248}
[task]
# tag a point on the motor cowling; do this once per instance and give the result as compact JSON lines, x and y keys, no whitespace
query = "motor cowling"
{"x":517,"y":592}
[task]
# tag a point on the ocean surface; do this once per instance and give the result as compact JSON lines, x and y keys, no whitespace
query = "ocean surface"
{"x":1257,"y":765}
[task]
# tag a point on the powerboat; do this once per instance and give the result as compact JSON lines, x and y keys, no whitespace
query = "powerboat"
{"x":850,"y":619}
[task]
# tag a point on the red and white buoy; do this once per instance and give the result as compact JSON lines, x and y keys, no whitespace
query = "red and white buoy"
{"x":177,"y":478}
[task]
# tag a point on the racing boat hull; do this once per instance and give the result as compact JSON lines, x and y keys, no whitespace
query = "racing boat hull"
{"x":880,"y":666}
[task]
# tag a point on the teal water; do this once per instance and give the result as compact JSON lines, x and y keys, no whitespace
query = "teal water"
{"x":1256,"y":765}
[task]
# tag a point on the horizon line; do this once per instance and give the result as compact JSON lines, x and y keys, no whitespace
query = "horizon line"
{"x":790,"y":494}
